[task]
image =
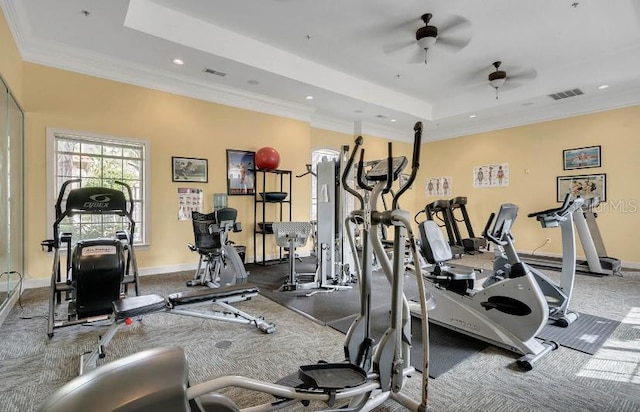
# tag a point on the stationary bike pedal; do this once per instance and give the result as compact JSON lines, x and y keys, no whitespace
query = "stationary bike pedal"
{"x":332,"y":376}
{"x":291,"y":381}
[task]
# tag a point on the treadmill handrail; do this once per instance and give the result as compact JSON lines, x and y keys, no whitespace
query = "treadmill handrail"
{"x":559,"y":215}
{"x":558,"y":210}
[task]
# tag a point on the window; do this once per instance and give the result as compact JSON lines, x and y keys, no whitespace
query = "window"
{"x":316,"y":157}
{"x":99,"y":161}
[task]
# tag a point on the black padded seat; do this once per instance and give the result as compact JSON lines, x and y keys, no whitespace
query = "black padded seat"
{"x":201,"y":295}
{"x":460,"y":273}
{"x":138,"y":305}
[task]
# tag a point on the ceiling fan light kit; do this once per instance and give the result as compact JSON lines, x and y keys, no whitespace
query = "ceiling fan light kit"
{"x":497,"y":78}
{"x":427,"y":35}
{"x":451,"y":35}
{"x":426,"y":42}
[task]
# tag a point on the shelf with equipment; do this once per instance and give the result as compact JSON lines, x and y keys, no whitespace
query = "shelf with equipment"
{"x":272,"y":198}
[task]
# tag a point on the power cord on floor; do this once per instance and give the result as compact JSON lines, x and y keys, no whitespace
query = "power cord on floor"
{"x":15,"y":272}
{"x":546,"y":241}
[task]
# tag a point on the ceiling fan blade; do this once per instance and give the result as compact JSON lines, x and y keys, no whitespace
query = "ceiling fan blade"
{"x":510,"y":85}
{"x":397,"y":46}
{"x":451,"y":24}
{"x":410,"y":25}
{"x":452,"y":43}
{"x":521,"y":73}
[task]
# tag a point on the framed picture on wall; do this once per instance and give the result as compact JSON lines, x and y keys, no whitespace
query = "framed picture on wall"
{"x":189,"y":169}
{"x":241,"y":172}
{"x":581,"y":158}
{"x":585,"y":186}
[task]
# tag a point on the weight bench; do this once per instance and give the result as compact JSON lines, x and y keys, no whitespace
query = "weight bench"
{"x":131,"y":307}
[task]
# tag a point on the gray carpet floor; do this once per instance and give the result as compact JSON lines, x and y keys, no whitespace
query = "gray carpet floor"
{"x":32,"y":366}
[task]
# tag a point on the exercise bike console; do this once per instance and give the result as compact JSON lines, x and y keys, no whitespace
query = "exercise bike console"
{"x":380,"y":171}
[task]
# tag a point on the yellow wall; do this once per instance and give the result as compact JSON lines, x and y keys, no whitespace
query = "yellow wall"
{"x":175,"y":126}
{"x":180,"y":126}
{"x":10,"y":61}
{"x":534,"y":155}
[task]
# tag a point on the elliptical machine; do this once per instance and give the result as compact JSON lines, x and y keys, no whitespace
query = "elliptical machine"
{"x":371,"y":373}
{"x":508,"y":312}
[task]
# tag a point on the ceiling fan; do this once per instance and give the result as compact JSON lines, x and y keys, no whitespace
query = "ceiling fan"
{"x":499,"y":78}
{"x":452,"y":34}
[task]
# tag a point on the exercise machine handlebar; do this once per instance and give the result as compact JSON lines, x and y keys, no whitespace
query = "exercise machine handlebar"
{"x":387,"y":187}
{"x":558,"y":210}
{"x":415,"y":163}
{"x":553,"y":217}
{"x":129,"y":193}
{"x":347,"y":169}
{"x":63,"y":190}
{"x":361,"y":180}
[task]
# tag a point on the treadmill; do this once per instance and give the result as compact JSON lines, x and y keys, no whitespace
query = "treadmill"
{"x":441,"y":209}
{"x":597,"y":262}
{"x":470,"y":244}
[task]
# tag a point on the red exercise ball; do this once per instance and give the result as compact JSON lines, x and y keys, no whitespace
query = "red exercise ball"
{"x":267,"y":158}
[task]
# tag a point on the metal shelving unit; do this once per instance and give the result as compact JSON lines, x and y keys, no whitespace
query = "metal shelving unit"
{"x":281,"y":181}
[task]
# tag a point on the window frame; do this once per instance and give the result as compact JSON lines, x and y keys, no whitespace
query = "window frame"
{"x":51,"y":167}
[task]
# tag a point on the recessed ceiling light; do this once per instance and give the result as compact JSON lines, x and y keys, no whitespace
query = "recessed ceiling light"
{"x":253,"y":82}
{"x":472,"y":116}
{"x":309,"y":97}
{"x":603,"y":86}
{"x":392,"y":120}
{"x":357,"y":111}
{"x":178,"y":62}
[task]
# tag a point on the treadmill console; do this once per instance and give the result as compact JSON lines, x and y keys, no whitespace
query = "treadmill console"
{"x":379,"y":172}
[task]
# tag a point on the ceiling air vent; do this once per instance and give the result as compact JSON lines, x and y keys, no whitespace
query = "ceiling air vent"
{"x":211,"y":71}
{"x":566,"y":94}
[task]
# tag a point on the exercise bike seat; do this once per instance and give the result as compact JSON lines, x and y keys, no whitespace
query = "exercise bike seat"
{"x":457,"y":273}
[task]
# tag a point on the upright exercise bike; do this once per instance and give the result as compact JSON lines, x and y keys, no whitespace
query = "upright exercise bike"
{"x":371,"y":373}
{"x":557,"y":294}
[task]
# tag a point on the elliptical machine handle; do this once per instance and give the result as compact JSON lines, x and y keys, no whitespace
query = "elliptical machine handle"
{"x":361,"y":181}
{"x":415,"y":163}
{"x":130,"y":195}
{"x":63,"y":190}
{"x":347,"y":169}
{"x":387,"y":187}
{"x":487,"y":230}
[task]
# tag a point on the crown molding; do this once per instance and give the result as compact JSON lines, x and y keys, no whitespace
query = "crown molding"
{"x":582,"y":105}
{"x":321,"y":121}
{"x":18,"y":22}
{"x":56,"y":55}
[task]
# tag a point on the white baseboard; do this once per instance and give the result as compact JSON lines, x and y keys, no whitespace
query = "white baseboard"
{"x":158,"y":270}
{"x":155,"y":270}
{"x":4,"y":312}
{"x":625,"y":264}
